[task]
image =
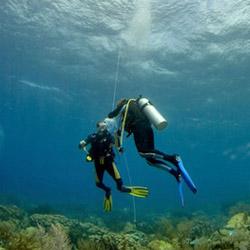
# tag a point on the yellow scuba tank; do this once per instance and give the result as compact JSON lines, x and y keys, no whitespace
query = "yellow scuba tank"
{"x":152,"y":113}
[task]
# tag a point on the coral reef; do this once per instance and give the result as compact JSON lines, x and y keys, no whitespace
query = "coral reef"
{"x":11,"y":212}
{"x":46,"y":231}
{"x":234,"y":235}
{"x":23,"y":231}
{"x":46,"y":220}
{"x":160,"y":245}
{"x":164,"y":227}
{"x":116,"y":241}
{"x":42,"y":209}
{"x":89,"y":245}
{"x":7,"y":229}
{"x":239,"y":207}
{"x":239,"y":221}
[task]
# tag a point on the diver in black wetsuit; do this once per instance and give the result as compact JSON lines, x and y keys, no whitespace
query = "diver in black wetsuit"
{"x":138,"y":124}
{"x":101,"y":152}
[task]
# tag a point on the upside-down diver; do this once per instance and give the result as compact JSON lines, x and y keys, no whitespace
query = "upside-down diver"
{"x":137,"y":117}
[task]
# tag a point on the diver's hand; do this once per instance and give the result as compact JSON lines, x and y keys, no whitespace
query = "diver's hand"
{"x":82,"y":144}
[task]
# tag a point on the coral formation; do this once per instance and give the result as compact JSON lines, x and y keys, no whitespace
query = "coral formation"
{"x":89,"y":245}
{"x":46,"y":220}
{"x":22,"y":231}
{"x":239,"y":221}
{"x":7,"y":229}
{"x":42,"y":209}
{"x":160,"y":245}
{"x":239,"y":207}
{"x":164,"y":227}
{"x":11,"y":212}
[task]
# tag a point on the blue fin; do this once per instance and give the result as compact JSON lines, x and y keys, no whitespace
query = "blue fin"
{"x":181,"y":193}
{"x":186,"y":177}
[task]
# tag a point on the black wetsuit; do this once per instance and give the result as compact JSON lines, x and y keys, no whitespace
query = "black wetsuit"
{"x":103,"y":155}
{"x":138,"y":124}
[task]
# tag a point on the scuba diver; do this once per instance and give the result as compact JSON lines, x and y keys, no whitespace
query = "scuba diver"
{"x":137,"y":117}
{"x":102,"y":154}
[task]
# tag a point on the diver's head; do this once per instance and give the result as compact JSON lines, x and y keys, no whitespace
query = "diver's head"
{"x":101,"y":126}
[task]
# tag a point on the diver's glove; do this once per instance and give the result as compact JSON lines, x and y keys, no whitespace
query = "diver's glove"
{"x":82,"y":144}
{"x":107,"y":204}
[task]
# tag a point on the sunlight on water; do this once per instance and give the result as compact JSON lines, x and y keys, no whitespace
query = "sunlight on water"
{"x":139,"y":30}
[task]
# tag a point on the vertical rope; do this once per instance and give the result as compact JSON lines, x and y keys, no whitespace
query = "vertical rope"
{"x":130,"y":183}
{"x":113,"y":106}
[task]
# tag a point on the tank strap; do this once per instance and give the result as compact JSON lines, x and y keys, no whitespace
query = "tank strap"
{"x":143,"y":106}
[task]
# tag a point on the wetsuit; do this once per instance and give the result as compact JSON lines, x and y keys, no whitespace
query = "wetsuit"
{"x":102,"y":153}
{"x":138,"y":124}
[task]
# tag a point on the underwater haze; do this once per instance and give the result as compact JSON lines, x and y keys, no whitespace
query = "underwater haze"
{"x":60,"y":64}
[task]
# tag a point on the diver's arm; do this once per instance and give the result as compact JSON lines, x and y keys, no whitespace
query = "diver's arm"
{"x":118,"y":141}
{"x":118,"y":109}
{"x":115,"y":112}
{"x":83,"y":143}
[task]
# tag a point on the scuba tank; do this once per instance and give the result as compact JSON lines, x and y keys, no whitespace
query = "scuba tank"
{"x":152,"y":113}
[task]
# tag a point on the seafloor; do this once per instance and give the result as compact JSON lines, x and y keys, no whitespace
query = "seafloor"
{"x":43,"y":228}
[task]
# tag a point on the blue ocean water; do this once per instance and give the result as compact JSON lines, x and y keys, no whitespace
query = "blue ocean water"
{"x":59,"y":61}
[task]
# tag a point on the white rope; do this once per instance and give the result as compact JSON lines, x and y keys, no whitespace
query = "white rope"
{"x":130,"y":183}
{"x":113,"y":106}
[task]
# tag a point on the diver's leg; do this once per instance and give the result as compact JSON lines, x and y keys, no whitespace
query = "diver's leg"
{"x":164,"y":166}
{"x":144,"y":141}
{"x":170,"y":158}
{"x":156,"y":154}
{"x":137,"y":191}
{"x":99,"y":169}
{"x":144,"y":138}
{"x":114,"y":173}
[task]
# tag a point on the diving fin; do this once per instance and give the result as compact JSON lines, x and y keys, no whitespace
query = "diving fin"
{"x":181,"y":192}
{"x":107,"y":204}
{"x":138,"y":191}
{"x":184,"y":174}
